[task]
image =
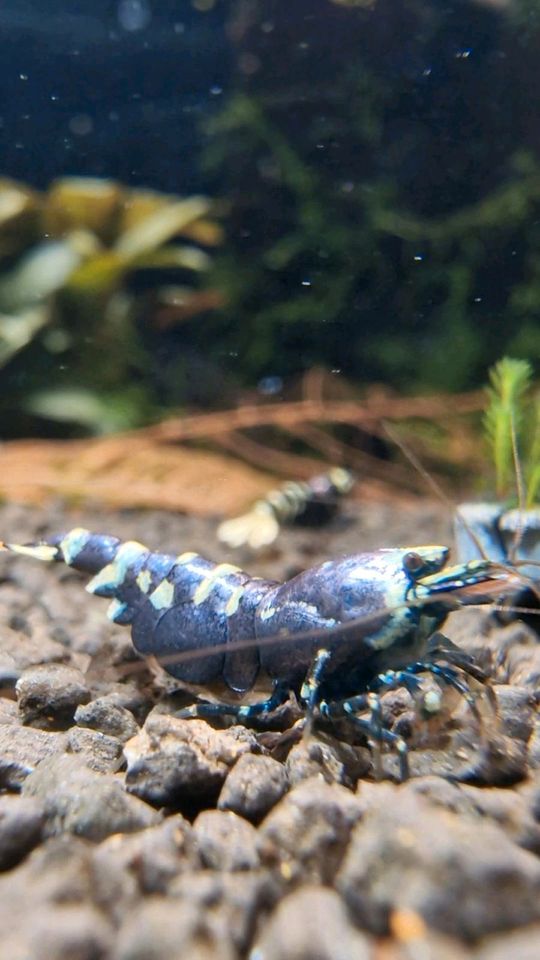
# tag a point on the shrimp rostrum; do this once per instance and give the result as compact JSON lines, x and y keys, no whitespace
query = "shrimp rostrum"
{"x":335,"y":635}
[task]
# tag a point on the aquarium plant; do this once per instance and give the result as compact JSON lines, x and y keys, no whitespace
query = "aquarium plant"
{"x":93,"y":277}
{"x":509,"y":526}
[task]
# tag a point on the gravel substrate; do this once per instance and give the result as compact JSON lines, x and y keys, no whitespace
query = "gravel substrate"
{"x":127,"y":833}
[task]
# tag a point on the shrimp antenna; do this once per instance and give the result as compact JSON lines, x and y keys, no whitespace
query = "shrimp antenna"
{"x":433,"y":483}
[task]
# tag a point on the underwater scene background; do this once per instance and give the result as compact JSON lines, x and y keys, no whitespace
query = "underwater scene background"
{"x":205,"y":202}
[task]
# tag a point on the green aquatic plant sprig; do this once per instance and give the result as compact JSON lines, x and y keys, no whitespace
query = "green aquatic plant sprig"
{"x":533,"y":456}
{"x":512,"y":425}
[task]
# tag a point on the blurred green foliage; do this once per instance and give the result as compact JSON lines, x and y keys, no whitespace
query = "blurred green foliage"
{"x":88,"y":272}
{"x":346,"y":261}
{"x":385,"y":188}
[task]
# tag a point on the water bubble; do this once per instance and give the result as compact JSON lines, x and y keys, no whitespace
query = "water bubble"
{"x":56,"y":341}
{"x":270,"y":385}
{"x":134,"y":15}
{"x":81,"y":124}
{"x":248,"y":63}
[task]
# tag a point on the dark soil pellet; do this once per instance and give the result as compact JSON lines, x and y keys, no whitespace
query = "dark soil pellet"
{"x":80,"y":801}
{"x":21,"y":828}
{"x":173,"y":760}
{"x":104,"y":715}
{"x":49,"y":694}
{"x":226,"y":841}
{"x":253,"y":786}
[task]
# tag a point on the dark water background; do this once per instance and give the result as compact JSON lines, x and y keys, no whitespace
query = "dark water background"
{"x":143,"y":74}
{"x":376,"y":168}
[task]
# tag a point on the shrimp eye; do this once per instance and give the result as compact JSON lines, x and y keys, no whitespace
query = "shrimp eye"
{"x":413,"y":562}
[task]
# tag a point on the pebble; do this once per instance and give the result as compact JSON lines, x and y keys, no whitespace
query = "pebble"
{"x":534,"y":746}
{"x":49,"y":694}
{"x":28,"y":651}
{"x":9,"y":674}
{"x":77,"y":800}
{"x":454,"y":873}
{"x":501,"y":761}
{"x":226,"y":841}
{"x":516,"y":710}
{"x":22,"y":749}
{"x":58,"y":932}
{"x":21,"y":827}
{"x":9,"y":712}
{"x":171,"y":929}
{"x":154,"y":856}
{"x":70,"y":932}
{"x":531,"y":791}
{"x":172,"y":761}
{"x":519,"y":655}
{"x":525,"y":670}
{"x":312,"y":924}
{"x":63,"y":870}
{"x":99,"y":752}
{"x":519,"y":944}
{"x":124,"y":695}
{"x":510,"y":810}
{"x":334,"y":762}
{"x":107,"y":717}
{"x":235,"y":902}
{"x":307,"y":833}
{"x":253,"y":786}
